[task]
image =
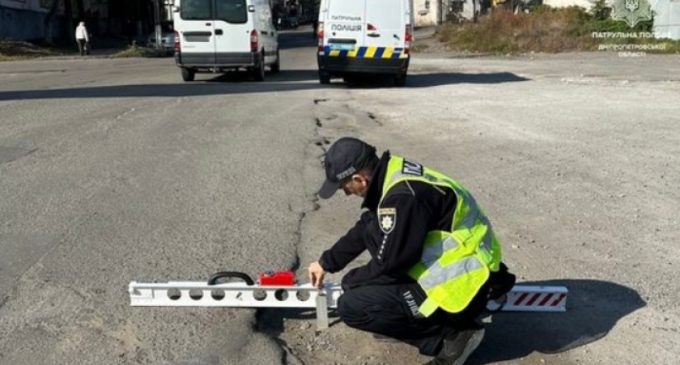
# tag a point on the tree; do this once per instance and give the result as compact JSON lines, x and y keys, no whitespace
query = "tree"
{"x":81,"y":9}
{"x":54,"y":5}
{"x":68,"y":13}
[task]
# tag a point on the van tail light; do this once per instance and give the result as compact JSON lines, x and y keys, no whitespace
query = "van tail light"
{"x":319,"y":36}
{"x":408,"y":37}
{"x":253,"y":41}
{"x":177,"y":45}
{"x":370,"y":26}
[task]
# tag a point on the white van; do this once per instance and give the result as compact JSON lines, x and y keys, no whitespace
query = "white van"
{"x":221,"y":35}
{"x":364,"y":36}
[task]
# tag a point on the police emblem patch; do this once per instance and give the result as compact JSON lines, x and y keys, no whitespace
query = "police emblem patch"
{"x":412,"y":168}
{"x":387,"y":219}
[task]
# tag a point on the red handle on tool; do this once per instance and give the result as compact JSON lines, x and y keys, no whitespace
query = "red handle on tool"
{"x":280,"y":278}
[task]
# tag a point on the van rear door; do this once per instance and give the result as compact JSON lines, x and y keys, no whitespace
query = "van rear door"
{"x":195,"y":25}
{"x":232,"y":30}
{"x":343,"y":29}
{"x":385,"y":23}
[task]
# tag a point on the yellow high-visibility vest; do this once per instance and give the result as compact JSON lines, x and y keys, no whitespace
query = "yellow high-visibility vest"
{"x":454,"y":264}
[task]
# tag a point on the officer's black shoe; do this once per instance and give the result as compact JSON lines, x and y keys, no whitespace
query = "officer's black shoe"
{"x":458,"y":346}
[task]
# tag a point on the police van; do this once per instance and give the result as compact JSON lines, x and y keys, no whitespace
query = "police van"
{"x":222,"y":35}
{"x":358,"y":37}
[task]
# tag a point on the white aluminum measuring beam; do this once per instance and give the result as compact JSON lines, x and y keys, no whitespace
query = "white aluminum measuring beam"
{"x":200,"y":294}
{"x":526,"y":298}
{"x":521,"y":298}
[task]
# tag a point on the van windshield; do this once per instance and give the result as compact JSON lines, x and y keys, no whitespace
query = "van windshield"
{"x":230,"y":11}
{"x":196,"y":9}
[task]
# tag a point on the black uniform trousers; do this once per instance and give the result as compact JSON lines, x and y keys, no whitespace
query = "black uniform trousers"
{"x":391,"y":310}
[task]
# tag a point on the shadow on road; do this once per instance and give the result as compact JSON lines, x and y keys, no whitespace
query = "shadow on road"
{"x":283,"y":76}
{"x":239,"y":83}
{"x":434,"y":79}
{"x":448,"y":78}
{"x":593,"y":308}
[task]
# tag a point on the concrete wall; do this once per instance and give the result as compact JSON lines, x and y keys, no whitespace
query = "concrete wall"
{"x":23,"y":24}
{"x":469,"y":9}
{"x":425,"y":12}
{"x":667,"y":18}
{"x":35,"y":5}
{"x":432,"y":12}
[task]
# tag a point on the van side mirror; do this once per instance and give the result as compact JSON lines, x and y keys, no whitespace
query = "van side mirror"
{"x":251,"y":8}
{"x":175,"y":9}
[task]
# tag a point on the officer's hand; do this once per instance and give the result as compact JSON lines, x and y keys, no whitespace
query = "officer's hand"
{"x":316,"y":274}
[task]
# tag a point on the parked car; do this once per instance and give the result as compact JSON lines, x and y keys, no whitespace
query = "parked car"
{"x":167,"y":41}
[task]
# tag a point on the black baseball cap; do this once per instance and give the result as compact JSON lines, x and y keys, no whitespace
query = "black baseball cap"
{"x":345,"y":157}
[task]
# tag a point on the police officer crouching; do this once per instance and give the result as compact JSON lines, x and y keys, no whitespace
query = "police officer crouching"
{"x":435,"y":261}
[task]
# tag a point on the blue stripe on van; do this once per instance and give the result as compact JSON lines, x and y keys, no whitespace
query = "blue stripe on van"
{"x":396,"y":53}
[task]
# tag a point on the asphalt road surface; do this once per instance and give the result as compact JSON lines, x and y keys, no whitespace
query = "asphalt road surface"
{"x":114,"y":170}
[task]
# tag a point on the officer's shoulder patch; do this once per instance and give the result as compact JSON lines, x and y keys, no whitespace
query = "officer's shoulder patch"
{"x":387,"y":219}
{"x":412,"y":168}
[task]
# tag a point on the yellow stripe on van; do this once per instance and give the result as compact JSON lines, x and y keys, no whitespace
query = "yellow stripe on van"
{"x":353,"y":53}
{"x":387,"y":53}
{"x":370,"y":51}
{"x":334,"y":53}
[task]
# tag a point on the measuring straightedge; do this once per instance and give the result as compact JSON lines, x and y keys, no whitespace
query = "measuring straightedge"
{"x":278,"y":290}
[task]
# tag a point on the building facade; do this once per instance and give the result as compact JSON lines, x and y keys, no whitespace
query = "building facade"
{"x":55,"y":20}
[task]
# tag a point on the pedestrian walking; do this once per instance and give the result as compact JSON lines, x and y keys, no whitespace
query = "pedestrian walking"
{"x":83,"y":39}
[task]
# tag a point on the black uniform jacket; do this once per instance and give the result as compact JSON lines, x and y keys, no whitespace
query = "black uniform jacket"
{"x":393,"y":231}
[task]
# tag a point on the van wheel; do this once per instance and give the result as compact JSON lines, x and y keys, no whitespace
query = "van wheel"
{"x":276,"y":66}
{"x":324,"y":77}
{"x":258,"y":71}
{"x":400,"y":79}
{"x":188,"y":74}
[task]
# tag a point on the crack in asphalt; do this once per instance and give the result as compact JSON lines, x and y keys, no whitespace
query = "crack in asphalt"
{"x":372,"y":117}
{"x":288,"y":352}
{"x":9,"y":154}
{"x":265,"y":315}
{"x":32,"y":72}
{"x":125,"y":113}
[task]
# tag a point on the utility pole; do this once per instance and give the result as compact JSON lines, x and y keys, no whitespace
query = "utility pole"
{"x":157,"y":22}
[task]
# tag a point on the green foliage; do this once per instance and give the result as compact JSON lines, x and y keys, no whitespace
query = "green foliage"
{"x":12,"y":50}
{"x":600,"y":10}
